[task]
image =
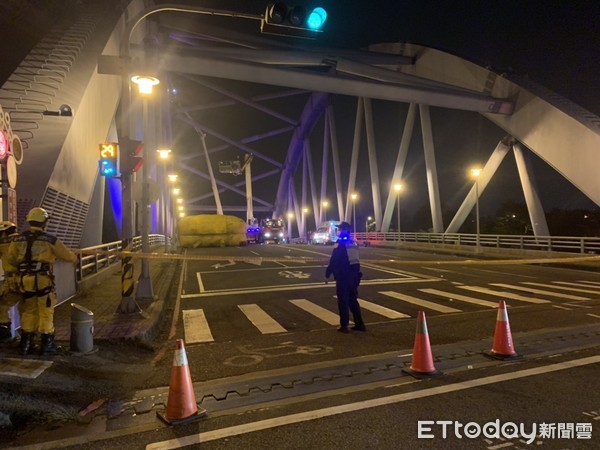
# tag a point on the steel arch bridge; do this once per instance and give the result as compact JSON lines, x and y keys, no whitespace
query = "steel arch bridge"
{"x":243,"y":93}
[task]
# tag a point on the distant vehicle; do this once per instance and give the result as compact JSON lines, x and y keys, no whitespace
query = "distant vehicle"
{"x":326,"y":233}
{"x":253,"y":231}
{"x":272,"y":230}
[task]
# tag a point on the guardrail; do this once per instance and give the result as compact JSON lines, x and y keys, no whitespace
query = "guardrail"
{"x":574,"y":244}
{"x":108,"y":254}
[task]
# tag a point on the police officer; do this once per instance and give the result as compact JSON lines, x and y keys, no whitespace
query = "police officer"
{"x":33,"y":254}
{"x":345,"y":267}
{"x":9,"y":295}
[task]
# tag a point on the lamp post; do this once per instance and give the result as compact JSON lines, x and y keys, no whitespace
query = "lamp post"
{"x":367,"y":224}
{"x":354,"y":197}
{"x":145,"y":85}
{"x":398,"y":188}
{"x":325,"y":204}
{"x":305,"y":233}
{"x":163,"y":155}
{"x":290,"y":216}
{"x":475,"y":174}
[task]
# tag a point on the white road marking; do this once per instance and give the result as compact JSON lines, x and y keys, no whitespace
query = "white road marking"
{"x":567,"y":283}
{"x":540,"y":291}
{"x":592,"y":283}
{"x":462,"y":298}
{"x":295,"y":287}
{"x":435,"y":269}
{"x":319,"y":312}
{"x":261,"y":320}
{"x":562,"y":307}
{"x":306,"y":416}
{"x":381,"y":310}
{"x":504,"y":294}
{"x":200,"y":283}
{"x":594,"y":315}
{"x":419,"y":302}
{"x":562,"y":288}
{"x":196,"y":327}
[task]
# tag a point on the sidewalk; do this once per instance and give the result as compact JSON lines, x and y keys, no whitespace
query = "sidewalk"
{"x":103,"y":298}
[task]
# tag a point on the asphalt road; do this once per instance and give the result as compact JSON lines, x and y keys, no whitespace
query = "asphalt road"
{"x":260,"y":324}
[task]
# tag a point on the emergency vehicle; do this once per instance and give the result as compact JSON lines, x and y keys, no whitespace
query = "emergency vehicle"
{"x":272,"y":230}
{"x":326,"y":234}
{"x":252,"y":231}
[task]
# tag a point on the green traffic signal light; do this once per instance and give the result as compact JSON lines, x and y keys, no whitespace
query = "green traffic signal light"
{"x":316,"y":19}
{"x":294,"y":21}
{"x":108,"y":167}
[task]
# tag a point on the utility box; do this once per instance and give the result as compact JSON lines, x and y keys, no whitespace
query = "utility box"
{"x":82,"y":329}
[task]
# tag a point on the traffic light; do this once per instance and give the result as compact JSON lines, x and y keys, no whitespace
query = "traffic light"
{"x":296,"y":21}
{"x":130,"y":161}
{"x":109,"y":160}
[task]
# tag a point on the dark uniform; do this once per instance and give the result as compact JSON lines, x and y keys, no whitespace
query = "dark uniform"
{"x":345,"y":267}
{"x":34,"y":253}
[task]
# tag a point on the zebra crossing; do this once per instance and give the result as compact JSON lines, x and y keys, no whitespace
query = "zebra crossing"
{"x":198,"y":330}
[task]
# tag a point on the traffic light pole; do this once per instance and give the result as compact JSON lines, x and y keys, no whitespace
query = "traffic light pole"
{"x":127,"y":304}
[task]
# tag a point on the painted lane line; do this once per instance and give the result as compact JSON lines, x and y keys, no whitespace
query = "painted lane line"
{"x":562,"y":288}
{"x":562,"y":307}
{"x":503,"y":294}
{"x":567,"y":283}
{"x":196,"y":327}
{"x":261,"y":320}
{"x":419,"y":302}
{"x":590,"y":283}
{"x":306,"y":416}
{"x":200,"y":283}
{"x":298,"y":286}
{"x":381,"y":310}
{"x":594,"y":315}
{"x":319,"y":312}
{"x":462,"y":298}
{"x":540,"y":291}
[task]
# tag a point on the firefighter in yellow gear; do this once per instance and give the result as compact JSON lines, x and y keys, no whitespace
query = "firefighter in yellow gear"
{"x":9,"y":292}
{"x":33,"y":253}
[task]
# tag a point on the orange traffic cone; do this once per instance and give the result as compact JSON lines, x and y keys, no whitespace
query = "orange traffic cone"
{"x":181,"y":403}
{"x":422,"y":359}
{"x":503,"y":347}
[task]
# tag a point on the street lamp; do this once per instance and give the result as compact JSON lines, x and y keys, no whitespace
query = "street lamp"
{"x":367,"y":224}
{"x":398,"y":188}
{"x":475,"y":174}
{"x":145,"y":85}
{"x":354,"y":197}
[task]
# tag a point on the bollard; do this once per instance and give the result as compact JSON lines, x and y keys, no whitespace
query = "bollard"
{"x":82,"y":329}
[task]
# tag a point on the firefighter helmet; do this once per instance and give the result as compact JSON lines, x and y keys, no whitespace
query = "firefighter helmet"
{"x":37,"y":215}
{"x":6,"y":226}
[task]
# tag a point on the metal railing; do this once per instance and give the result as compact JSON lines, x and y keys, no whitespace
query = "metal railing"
{"x":102,"y":256}
{"x":569,"y":244}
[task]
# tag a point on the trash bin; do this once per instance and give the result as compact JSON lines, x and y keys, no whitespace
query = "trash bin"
{"x":82,"y":329}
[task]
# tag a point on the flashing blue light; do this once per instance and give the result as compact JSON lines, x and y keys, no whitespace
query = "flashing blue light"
{"x":316,"y":18}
